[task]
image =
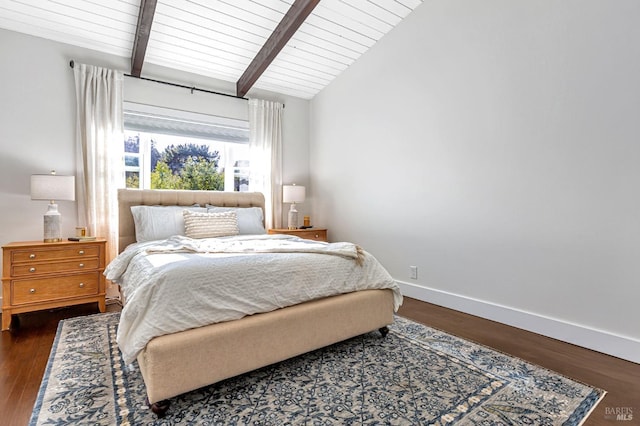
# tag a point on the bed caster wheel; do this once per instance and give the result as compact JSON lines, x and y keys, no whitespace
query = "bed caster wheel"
{"x":384,"y":331}
{"x":159,"y":408}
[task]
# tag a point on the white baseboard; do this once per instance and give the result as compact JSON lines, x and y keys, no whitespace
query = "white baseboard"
{"x":611,"y":344}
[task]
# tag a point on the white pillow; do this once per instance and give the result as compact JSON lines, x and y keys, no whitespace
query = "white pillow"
{"x":210,"y":225}
{"x":250,"y":219}
{"x":159,"y":222}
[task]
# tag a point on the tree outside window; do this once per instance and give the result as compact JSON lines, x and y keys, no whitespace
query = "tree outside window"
{"x":155,"y":161}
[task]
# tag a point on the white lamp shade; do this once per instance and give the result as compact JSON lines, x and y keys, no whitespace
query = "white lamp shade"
{"x":293,"y":194}
{"x":53,"y":187}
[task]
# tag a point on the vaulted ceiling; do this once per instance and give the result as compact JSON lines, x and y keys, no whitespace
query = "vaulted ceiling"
{"x":294,"y":47}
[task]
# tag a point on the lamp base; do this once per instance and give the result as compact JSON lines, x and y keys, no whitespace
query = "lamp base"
{"x":292,"y":222}
{"x":52,"y":225}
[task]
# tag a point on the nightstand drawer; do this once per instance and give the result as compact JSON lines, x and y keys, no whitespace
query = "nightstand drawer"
{"x":309,"y":234}
{"x":46,"y":289}
{"x":46,"y":268}
{"x":35,"y":255}
{"x":318,"y":234}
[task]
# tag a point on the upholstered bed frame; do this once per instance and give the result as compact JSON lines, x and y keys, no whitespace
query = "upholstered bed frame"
{"x":177,"y":363}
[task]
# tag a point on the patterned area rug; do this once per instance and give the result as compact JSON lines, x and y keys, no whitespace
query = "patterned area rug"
{"x":414,"y":376}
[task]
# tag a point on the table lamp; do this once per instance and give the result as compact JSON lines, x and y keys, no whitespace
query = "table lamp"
{"x":53,"y":187}
{"x":293,"y":194}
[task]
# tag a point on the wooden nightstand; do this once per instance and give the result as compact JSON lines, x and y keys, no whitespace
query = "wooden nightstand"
{"x":318,"y":234}
{"x":37,"y":275}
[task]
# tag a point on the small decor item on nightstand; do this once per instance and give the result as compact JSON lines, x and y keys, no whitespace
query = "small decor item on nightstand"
{"x":293,"y":194}
{"x":53,"y":187}
{"x":85,"y":238}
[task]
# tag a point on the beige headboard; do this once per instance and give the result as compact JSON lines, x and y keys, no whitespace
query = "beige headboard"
{"x":165,"y":197}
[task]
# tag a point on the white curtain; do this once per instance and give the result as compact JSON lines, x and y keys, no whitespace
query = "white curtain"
{"x":265,"y":157}
{"x":99,"y":152}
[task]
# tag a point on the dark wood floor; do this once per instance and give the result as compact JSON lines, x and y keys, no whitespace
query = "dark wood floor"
{"x":25,"y":350}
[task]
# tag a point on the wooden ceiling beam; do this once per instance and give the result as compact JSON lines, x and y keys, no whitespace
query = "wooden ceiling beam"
{"x":145,"y":19}
{"x":287,"y":27}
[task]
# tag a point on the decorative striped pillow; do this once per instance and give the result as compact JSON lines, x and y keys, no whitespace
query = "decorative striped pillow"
{"x":208,"y":225}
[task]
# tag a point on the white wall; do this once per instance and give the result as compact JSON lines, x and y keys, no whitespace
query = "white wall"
{"x":37,"y":122}
{"x":495,"y":146}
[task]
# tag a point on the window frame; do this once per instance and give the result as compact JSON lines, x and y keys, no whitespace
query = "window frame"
{"x":169,"y":121}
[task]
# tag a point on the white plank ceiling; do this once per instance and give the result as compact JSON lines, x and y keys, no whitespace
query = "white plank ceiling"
{"x":219,"y":38}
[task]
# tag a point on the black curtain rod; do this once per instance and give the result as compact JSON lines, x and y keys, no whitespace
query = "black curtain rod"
{"x":192,"y":88}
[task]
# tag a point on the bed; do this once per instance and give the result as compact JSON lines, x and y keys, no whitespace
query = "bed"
{"x":185,"y":360}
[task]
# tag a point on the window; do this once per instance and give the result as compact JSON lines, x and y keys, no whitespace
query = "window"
{"x":172,"y":149}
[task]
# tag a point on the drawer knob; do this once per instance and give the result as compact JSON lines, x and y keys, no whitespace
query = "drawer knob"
{"x":81,"y":252}
{"x":81,"y":265}
{"x":317,"y":236}
{"x":81,"y":285}
{"x":33,"y":290}
{"x":32,"y":256}
{"x":32,"y":269}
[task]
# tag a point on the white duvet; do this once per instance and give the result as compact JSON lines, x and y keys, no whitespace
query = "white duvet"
{"x":180,"y":283}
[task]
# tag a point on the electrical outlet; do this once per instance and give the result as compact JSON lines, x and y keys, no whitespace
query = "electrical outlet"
{"x":413,"y":272}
